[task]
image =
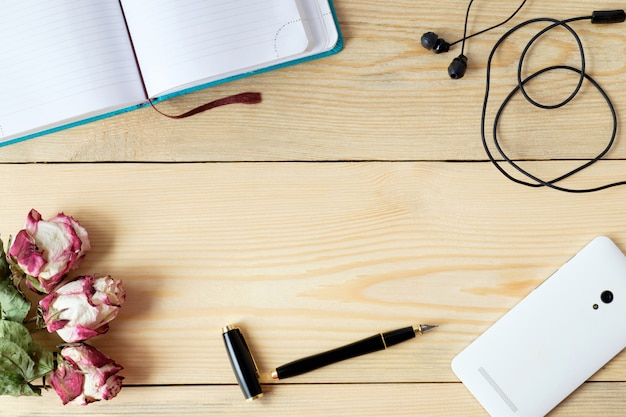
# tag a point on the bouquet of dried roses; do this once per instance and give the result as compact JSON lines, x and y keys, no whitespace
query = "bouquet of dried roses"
{"x":41,"y":257}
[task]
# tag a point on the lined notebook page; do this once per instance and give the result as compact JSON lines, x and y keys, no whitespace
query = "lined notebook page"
{"x":185,"y":42}
{"x":321,"y":24}
{"x":63,"y":59}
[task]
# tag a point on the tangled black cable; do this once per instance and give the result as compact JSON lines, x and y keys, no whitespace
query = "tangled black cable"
{"x":467,"y":14}
{"x":597,"y":17}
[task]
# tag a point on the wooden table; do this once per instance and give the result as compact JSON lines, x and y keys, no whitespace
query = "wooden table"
{"x":355,"y":198}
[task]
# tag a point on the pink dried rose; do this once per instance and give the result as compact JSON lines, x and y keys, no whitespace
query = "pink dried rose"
{"x":85,"y":375}
{"x":83,"y":307}
{"x":46,"y":250}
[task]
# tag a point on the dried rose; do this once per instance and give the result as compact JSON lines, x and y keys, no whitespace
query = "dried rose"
{"x":46,"y":250}
{"x":85,"y":375}
{"x":83,"y":307}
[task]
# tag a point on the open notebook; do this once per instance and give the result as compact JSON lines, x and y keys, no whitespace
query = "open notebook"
{"x":68,"y":62}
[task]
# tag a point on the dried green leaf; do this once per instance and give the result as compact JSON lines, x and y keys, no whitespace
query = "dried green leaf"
{"x":5,"y":272}
{"x":14,"y":359}
{"x":12,"y":383}
{"x":43,"y":359}
{"x":13,"y":305}
{"x":15,"y":332}
{"x":22,"y":360}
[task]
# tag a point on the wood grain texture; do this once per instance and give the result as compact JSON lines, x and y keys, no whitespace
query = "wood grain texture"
{"x":382,"y":98}
{"x":355,"y":199}
{"x":369,"y":400}
{"x":306,"y":257}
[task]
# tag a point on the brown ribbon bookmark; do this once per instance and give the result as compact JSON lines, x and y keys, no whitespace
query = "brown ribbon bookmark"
{"x":242,"y":98}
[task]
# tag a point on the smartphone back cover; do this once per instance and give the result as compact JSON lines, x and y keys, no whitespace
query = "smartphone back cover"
{"x":553,"y":340}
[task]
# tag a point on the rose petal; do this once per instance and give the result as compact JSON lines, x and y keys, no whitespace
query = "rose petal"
{"x":25,"y":252}
{"x":84,"y":306}
{"x":47,"y":250}
{"x":101,"y":379}
{"x":67,"y":380}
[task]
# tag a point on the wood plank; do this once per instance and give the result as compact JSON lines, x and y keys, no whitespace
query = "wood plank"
{"x":306,"y":257}
{"x":360,"y":400}
{"x":310,"y":256}
{"x":383,"y":98}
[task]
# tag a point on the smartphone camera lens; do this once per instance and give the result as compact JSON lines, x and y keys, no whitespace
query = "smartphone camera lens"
{"x":606,"y":297}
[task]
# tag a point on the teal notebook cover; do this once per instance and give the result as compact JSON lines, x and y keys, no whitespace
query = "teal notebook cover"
{"x":337,"y":47}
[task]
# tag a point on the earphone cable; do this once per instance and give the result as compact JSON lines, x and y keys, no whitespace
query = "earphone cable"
{"x":467,"y":13}
{"x":538,"y":182}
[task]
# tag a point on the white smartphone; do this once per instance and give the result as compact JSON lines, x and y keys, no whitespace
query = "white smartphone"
{"x":554,"y":339}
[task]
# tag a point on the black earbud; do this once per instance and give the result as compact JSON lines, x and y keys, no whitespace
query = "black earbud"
{"x":434,"y":43}
{"x":458,"y":67}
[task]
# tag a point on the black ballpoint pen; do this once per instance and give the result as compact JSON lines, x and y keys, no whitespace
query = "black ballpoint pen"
{"x":374,"y":343}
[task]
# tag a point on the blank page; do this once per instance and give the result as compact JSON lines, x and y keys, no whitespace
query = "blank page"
{"x":63,"y":60}
{"x":188,"y":42}
{"x":318,"y":16}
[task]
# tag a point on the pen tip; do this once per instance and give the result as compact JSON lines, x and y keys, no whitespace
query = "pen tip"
{"x":423,"y":328}
{"x":274,"y":375}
